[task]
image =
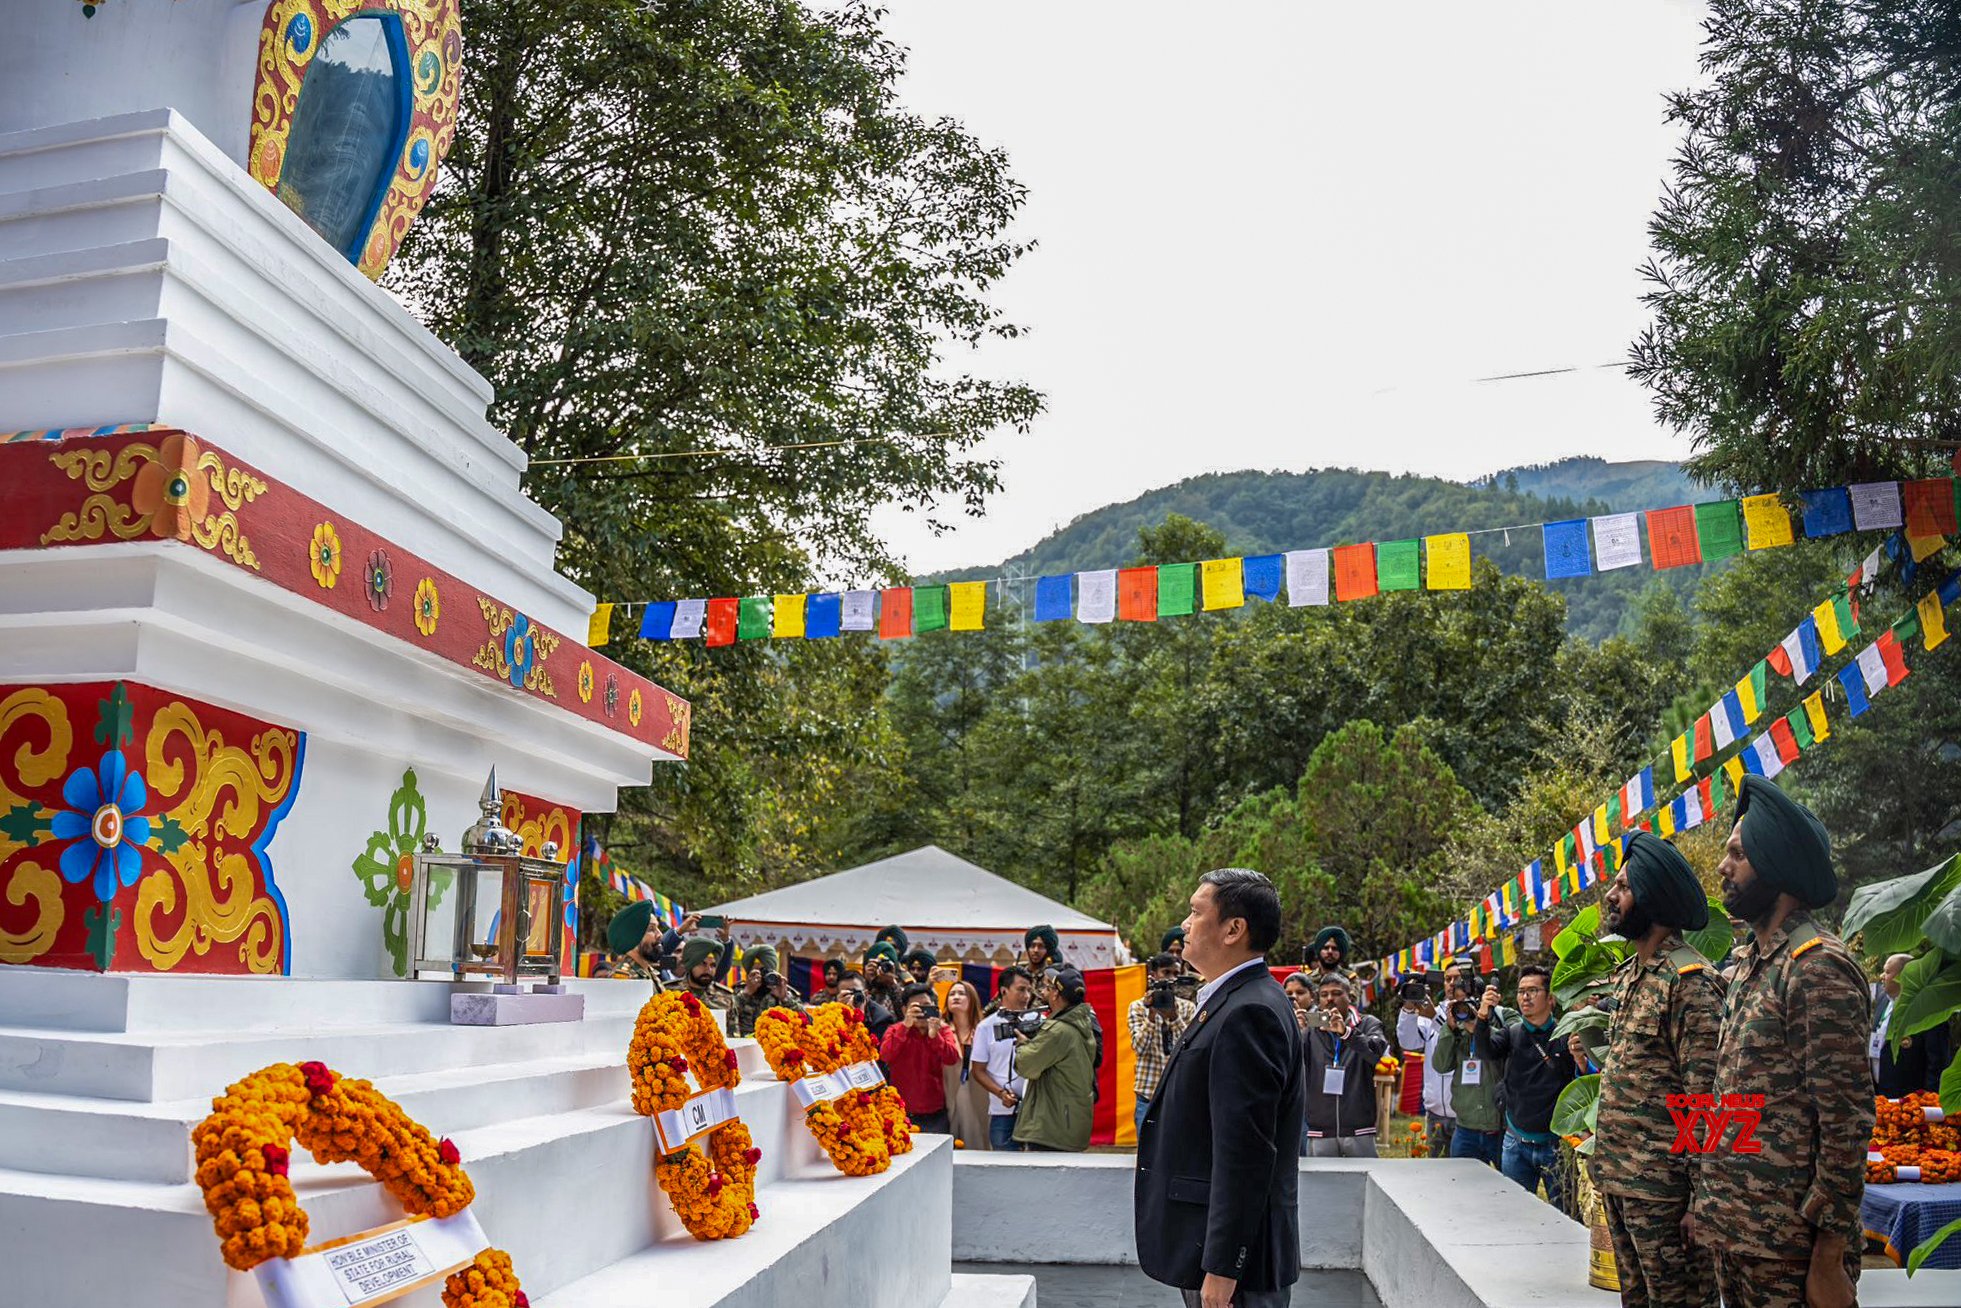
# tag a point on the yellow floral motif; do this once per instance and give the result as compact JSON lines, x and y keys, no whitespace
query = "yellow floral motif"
{"x":324,"y":554}
{"x":585,"y":682}
{"x":428,"y":606}
{"x":171,"y":486}
{"x":219,"y":790}
{"x":681,"y":714}
{"x":633,"y":707}
{"x":517,"y":649}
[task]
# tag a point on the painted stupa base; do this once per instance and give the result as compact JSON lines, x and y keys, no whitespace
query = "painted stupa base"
{"x":103,"y":1077}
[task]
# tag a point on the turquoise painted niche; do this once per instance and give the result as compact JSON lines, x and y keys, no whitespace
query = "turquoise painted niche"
{"x":348,"y":130}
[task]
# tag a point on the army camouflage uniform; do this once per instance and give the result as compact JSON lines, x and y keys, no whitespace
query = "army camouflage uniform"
{"x":748,"y":1007}
{"x":629,"y":968}
{"x":714,"y":994}
{"x":1661,"y":1042}
{"x":1795,"y":1027}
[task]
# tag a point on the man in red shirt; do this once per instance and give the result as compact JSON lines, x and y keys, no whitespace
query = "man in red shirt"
{"x":916,"y":1051}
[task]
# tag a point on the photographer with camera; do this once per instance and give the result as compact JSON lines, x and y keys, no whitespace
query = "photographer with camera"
{"x":1418,"y":1029}
{"x":994,"y":1055}
{"x":763,"y":987}
{"x":916,"y":1052}
{"x":1537,"y":1068}
{"x":852,"y":994}
{"x":1059,"y":1060}
{"x":1476,"y":1080}
{"x":1341,"y":1057}
{"x":882,"y":984}
{"x":1157,"y":1021}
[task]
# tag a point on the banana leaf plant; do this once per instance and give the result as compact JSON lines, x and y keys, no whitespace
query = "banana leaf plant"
{"x":1588,"y":954}
{"x":1576,"y":1113}
{"x":1901,"y":916}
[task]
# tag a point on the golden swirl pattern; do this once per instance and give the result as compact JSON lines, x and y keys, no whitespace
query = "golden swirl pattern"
{"x":40,"y":886}
{"x":165,"y":490}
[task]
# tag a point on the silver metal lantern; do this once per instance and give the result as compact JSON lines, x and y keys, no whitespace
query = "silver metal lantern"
{"x":487,"y":913}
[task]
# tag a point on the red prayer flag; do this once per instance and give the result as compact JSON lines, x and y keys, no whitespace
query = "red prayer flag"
{"x":1779,"y":660}
{"x":895,"y":613}
{"x":1137,"y":594}
{"x":718,"y":623}
{"x":1354,"y":571}
{"x":1787,"y":744}
{"x":1894,"y":657}
{"x":1672,"y":540}
{"x":1708,"y":799}
{"x":1705,"y":739}
{"x":1930,"y":506}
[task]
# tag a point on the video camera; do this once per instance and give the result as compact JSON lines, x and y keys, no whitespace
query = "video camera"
{"x":1162,"y":996}
{"x":1026,"y":1023}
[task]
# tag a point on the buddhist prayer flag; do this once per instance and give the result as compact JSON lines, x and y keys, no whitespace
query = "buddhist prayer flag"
{"x":1096,"y":599}
{"x":1693,"y":807}
{"x":1727,"y":718}
{"x":823,"y":616}
{"x":1052,"y":598}
{"x":1893,"y":657}
{"x":1225,"y":584}
{"x":1177,"y":589}
{"x":1710,"y":792}
{"x":599,"y":628}
{"x":1718,"y":530}
{"x":1801,"y":652}
{"x":1672,"y":537}
{"x":1799,"y":723}
{"x":1678,"y":751}
{"x":1922,"y":547}
{"x":1733,"y":769}
{"x":1876,"y":505}
{"x":1261,"y":575}
{"x":968,"y":603}
{"x":1397,"y":566}
{"x":1664,"y":825}
{"x":721,"y":622}
{"x":1449,"y":559}
{"x":1354,"y":572}
{"x":753,"y":622}
{"x":657,"y":623}
{"x":1566,"y":549}
{"x":1307,"y":578}
{"x":928,"y":608}
{"x":1757,"y":685}
{"x":1785,"y":739}
{"x":1854,"y":682}
{"x":860,"y":610}
{"x":1933,"y":623}
{"x":1601,"y":834}
{"x":1705,"y":740}
{"x":895,"y":614}
{"x":1641,"y":791}
{"x":1814,"y":712}
{"x":1764,"y":750}
{"x":1930,"y":507}
{"x":1827,"y":512}
{"x":1137,"y":595}
{"x":1617,"y":541}
{"x":786,"y":617}
{"x":1825,"y":619}
{"x":1768,"y":521}
{"x":689,"y":615}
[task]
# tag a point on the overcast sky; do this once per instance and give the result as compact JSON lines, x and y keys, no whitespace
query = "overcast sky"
{"x":1290,"y":235}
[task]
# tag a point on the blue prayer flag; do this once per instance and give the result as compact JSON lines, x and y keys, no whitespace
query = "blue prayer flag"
{"x":1732,"y":706}
{"x":1567,"y":552}
{"x":823,"y":615}
{"x":1678,"y":809}
{"x":1854,"y":682}
{"x":1645,"y":791}
{"x":1951,"y":588}
{"x":1827,"y":512}
{"x":658,"y":622}
{"x":1052,"y":597}
{"x":1751,"y":763}
{"x":1261,"y":575}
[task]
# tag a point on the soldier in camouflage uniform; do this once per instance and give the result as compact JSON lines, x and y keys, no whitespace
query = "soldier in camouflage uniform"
{"x":755,"y":998}
{"x":633,"y":941}
{"x":1662,"y":1041}
{"x":1784,"y":1221}
{"x":702,"y":965}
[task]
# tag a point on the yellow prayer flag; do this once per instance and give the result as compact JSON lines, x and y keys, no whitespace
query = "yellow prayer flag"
{"x":599,"y":628}
{"x":1826,"y":616}
{"x":1450,"y":562}
{"x":1507,"y":951}
{"x":1559,"y":856}
{"x":1665,"y":821}
{"x":1679,"y":751}
{"x":966,"y":605}
{"x":1225,"y":583}
{"x":1767,"y":521}
{"x":1814,"y":712}
{"x":1922,"y":546}
{"x":1733,"y":769}
{"x":1600,"y":833}
{"x":786,"y":620}
{"x":1746,"y":695}
{"x":1933,"y":623}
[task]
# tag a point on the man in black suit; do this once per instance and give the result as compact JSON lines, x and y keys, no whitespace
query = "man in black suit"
{"x":1217,"y":1170}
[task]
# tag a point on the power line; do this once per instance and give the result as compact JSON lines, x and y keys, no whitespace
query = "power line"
{"x":714,"y":452}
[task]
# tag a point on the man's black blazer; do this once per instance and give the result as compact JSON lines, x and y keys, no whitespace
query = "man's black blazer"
{"x":1218,"y":1156}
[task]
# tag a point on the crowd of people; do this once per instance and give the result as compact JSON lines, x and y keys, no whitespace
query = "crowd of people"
{"x":1787,"y":1020}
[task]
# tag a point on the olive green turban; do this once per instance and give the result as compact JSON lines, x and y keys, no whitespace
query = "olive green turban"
{"x":1176,"y":933}
{"x":1336,"y":934}
{"x":1786,"y":845}
{"x":896,"y":937}
{"x":696,"y":950}
{"x":1664,"y":886}
{"x":759,"y":958}
{"x":629,"y":926}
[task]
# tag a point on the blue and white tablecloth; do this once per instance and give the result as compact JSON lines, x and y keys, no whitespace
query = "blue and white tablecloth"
{"x":1906,"y":1213}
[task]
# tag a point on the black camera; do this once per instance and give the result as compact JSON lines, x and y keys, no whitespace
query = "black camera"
{"x":1414,"y":990}
{"x":771,"y":980}
{"x":1162,"y":996}
{"x":1010,"y":1025}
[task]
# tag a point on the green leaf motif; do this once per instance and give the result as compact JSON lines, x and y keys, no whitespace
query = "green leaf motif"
{"x":1714,"y":940}
{"x":115,"y":723}
{"x":1943,"y":925}
{"x":23,"y":824}
{"x":101,"y":923}
{"x":1577,"y":1107}
{"x":1887,"y":915}
{"x":1930,"y":992}
{"x":168,"y":834}
{"x":375,"y":868}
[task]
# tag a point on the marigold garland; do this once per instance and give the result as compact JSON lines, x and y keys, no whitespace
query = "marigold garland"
{"x":860,"y":1047}
{"x":243,"y":1152}
{"x":714,"y":1195}
{"x":850,"y":1129}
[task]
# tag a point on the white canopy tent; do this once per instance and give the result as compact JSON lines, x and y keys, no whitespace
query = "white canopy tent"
{"x":960,"y":911}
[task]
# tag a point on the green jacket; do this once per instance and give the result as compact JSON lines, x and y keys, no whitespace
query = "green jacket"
{"x":1478,"y":1107}
{"x":1060,"y":1064}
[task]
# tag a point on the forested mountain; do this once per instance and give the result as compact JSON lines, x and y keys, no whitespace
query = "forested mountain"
{"x":1266,"y":512}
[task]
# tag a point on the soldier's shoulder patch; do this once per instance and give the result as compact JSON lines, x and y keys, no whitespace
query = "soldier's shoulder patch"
{"x":1807,"y":946}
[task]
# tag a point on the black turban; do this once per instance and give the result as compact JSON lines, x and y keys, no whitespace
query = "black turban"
{"x":1336,"y":934}
{"x":894,"y":936}
{"x":1045,"y":934}
{"x":1176,"y":933}
{"x":1785,"y":844}
{"x":916,"y":955}
{"x":1664,"y":887}
{"x":629,"y":926}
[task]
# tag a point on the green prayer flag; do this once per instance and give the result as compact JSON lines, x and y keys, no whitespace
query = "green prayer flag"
{"x":1177,"y":589}
{"x":929,"y":608}
{"x":1396,"y":566}
{"x":1906,"y":626}
{"x":1718,"y":791}
{"x":1760,"y":683}
{"x":1719,"y":530}
{"x":1848,"y":626}
{"x":1614,"y":811}
{"x":752,"y":620}
{"x":1800,"y":724}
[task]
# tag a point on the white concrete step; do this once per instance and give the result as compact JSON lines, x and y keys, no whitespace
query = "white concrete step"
{"x":990,"y":1290}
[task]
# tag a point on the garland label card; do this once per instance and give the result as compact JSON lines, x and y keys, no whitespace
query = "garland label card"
{"x":697,"y":1117}
{"x":374,"y":1266}
{"x":813,"y":1090}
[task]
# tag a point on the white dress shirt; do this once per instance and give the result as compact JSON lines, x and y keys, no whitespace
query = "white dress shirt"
{"x":1210,"y":988}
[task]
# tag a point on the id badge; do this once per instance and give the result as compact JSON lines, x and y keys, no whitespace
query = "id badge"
{"x":1333,"y":1081}
{"x":1473,"y":1071}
